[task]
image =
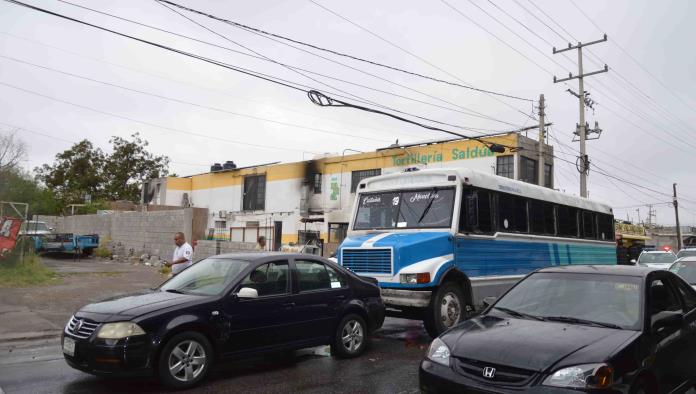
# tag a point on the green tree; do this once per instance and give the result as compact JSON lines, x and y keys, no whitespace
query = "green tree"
{"x":76,"y":171}
{"x":129,"y":166}
{"x":19,"y":186}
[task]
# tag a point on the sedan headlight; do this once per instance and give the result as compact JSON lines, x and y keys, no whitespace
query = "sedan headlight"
{"x":119,"y":330}
{"x":439,"y":352}
{"x":586,"y":376}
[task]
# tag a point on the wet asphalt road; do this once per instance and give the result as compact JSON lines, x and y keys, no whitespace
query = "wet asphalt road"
{"x":390,"y":365}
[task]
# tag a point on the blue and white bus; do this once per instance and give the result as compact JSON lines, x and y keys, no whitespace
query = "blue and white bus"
{"x":440,"y":241}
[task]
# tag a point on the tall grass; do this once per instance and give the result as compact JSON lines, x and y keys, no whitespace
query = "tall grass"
{"x":16,"y":271}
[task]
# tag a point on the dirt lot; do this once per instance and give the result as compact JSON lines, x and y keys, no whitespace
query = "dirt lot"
{"x":42,"y":310}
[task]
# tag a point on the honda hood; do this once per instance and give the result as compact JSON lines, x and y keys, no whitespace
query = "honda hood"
{"x":530,"y":344}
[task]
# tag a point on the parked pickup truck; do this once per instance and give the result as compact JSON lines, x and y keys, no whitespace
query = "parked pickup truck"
{"x":67,"y":243}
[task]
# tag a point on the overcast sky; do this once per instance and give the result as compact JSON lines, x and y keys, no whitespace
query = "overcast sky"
{"x":205,"y":113}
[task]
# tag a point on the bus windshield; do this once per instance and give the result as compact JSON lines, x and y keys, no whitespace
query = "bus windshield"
{"x":422,"y":208}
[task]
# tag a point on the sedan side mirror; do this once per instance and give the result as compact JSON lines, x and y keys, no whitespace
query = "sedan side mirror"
{"x":247,"y":292}
{"x":488,"y":301}
{"x":667,"y":320}
{"x":633,"y":261}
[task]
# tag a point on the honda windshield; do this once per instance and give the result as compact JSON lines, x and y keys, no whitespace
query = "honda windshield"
{"x":422,"y":208}
{"x":605,"y":300}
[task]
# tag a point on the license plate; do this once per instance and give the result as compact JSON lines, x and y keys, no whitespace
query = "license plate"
{"x":69,"y":346}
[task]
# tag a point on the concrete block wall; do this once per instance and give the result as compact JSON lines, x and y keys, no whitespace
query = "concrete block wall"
{"x":143,"y":232}
{"x":211,"y":248}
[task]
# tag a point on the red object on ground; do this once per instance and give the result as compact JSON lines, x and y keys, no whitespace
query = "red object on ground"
{"x":9,"y":229}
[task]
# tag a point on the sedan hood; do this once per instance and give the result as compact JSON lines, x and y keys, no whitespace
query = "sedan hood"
{"x":530,"y":344}
{"x":135,"y":304}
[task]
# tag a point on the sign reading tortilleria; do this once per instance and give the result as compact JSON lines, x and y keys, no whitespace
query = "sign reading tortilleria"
{"x":9,"y":230}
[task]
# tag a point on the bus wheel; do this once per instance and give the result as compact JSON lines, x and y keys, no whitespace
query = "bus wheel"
{"x":447,"y":308}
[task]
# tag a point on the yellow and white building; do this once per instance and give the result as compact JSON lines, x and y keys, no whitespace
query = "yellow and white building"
{"x":293,"y":202}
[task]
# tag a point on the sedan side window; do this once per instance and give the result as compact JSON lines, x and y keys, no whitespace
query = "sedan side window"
{"x":268,"y":279}
{"x":687,"y":293}
{"x":313,"y":275}
{"x":662,"y":298}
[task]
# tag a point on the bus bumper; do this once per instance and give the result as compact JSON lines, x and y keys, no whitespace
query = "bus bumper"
{"x":406,"y":298}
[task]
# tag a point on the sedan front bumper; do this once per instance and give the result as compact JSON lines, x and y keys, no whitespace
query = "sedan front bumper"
{"x":437,"y":378}
{"x":130,"y":357}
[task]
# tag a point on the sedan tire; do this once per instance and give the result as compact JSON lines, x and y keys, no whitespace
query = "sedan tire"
{"x":351,"y":337}
{"x":185,"y":360}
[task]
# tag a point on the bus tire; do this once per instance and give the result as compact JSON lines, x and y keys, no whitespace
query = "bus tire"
{"x":447,"y":308}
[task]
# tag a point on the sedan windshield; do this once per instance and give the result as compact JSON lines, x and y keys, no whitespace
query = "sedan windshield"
{"x":423,"y":208}
{"x":686,"y":270}
{"x":656,"y":258}
{"x":207,"y":277}
{"x":686,"y":253}
{"x":603,"y":300}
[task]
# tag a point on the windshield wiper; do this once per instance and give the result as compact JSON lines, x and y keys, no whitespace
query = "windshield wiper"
{"x":518,"y":314}
{"x":427,"y":207}
{"x":575,"y":320}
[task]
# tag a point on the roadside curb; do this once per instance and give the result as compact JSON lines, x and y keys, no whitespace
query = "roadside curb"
{"x":29,"y":336}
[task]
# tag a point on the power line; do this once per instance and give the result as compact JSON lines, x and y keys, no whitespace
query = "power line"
{"x":636,"y":61}
{"x":218,"y":91}
{"x":262,"y":76}
{"x":192,"y":103}
{"x":180,"y":131}
{"x":334,"y":52}
{"x":407,"y":51}
{"x":466,"y":111}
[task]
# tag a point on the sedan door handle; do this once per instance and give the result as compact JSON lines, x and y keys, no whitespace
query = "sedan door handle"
{"x":289,"y":305}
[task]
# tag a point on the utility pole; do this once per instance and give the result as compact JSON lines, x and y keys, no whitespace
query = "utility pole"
{"x":541,"y":172}
{"x":676,"y":215}
{"x":583,"y":160}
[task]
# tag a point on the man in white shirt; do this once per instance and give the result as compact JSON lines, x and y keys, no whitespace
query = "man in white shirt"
{"x":182,"y":254}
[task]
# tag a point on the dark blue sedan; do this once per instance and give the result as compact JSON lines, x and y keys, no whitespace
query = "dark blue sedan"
{"x":225,"y":306}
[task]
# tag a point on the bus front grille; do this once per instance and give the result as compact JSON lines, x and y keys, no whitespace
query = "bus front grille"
{"x":368,"y":261}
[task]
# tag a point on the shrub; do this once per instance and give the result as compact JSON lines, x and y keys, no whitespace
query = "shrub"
{"x":102,"y":252}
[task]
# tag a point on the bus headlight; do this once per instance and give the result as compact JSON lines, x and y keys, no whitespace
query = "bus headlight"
{"x":412,"y":279}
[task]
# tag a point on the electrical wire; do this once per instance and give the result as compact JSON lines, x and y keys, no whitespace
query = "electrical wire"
{"x":217,"y":109}
{"x":465,"y":110}
{"x":334,"y":52}
{"x":262,"y":76}
{"x":180,"y":131}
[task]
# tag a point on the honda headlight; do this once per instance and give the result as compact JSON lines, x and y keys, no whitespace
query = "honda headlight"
{"x":439,"y":352}
{"x":586,"y":376}
{"x":119,"y":330}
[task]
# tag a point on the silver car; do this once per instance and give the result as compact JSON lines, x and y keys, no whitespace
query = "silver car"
{"x":686,"y":268}
{"x":656,"y":259}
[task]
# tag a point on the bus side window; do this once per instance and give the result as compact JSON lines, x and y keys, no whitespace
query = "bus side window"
{"x":512,"y":213}
{"x":567,"y":221}
{"x":605,"y":226}
{"x":541,"y":218}
{"x":588,"y":225}
{"x":476,"y":212}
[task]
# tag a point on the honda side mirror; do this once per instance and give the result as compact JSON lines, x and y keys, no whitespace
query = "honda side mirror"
{"x":488,"y":301}
{"x":247,"y":293}
{"x":633,"y":261}
{"x":667,"y":320}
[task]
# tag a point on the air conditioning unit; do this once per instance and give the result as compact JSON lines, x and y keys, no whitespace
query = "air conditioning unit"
{"x":222,"y":214}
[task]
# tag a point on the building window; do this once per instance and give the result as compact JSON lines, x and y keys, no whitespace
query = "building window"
{"x":254,"y":197}
{"x":548,"y":176}
{"x":317,"y":183}
{"x":358,"y":176}
{"x":337,"y":232}
{"x":528,"y":170}
{"x":505,"y":166}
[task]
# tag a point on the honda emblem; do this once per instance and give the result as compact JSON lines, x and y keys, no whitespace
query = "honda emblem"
{"x":489,"y":372}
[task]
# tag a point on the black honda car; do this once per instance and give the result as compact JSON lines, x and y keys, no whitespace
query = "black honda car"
{"x":225,"y":306}
{"x":613,"y":329}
